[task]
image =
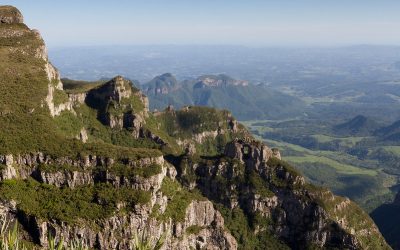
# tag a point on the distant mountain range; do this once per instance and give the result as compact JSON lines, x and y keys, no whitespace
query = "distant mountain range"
{"x":245,"y":100}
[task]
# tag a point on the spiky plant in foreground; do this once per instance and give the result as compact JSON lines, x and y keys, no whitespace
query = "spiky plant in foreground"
{"x":74,"y":244}
{"x":9,"y":239}
{"x":146,"y":242}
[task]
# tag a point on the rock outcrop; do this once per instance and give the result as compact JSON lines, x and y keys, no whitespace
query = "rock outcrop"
{"x":201,"y":215}
{"x":120,"y":105}
{"x":10,"y":15}
{"x":256,"y":181}
{"x":217,"y":81}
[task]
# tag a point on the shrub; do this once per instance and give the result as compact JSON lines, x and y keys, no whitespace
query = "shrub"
{"x":64,"y":204}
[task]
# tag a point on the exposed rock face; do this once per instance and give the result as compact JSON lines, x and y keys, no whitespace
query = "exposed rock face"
{"x":7,"y":173}
{"x":83,"y":135}
{"x":10,"y":15}
{"x":116,"y":89}
{"x":66,"y":178}
{"x":217,"y":81}
{"x":114,"y":102}
{"x":296,"y":214}
{"x":199,"y":214}
{"x":56,"y":110}
{"x":276,"y":153}
{"x":202,"y":214}
{"x":251,"y":152}
{"x":27,"y":165}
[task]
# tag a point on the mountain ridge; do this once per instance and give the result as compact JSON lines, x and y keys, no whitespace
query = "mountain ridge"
{"x":83,"y":162}
{"x":245,"y":100}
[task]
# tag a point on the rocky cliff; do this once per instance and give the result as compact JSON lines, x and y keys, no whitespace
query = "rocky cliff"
{"x":95,"y":164}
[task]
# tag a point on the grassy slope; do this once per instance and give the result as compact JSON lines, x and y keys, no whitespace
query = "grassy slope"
{"x":25,"y":123}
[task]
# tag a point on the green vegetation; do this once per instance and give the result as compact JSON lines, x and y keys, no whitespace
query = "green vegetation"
{"x":259,"y":184}
{"x":392,"y":149}
{"x":345,"y":141}
{"x":64,"y":204}
{"x":333,"y":161}
{"x":59,"y":97}
{"x":187,"y":123}
{"x":147,"y":242}
{"x":10,"y":239}
{"x":192,"y":120}
{"x":359,"y":125}
{"x":238,"y":225}
{"x":100,"y":98}
{"x":354,"y":216}
{"x":193,"y":229}
{"x":69,"y":124}
{"x":23,"y":86}
{"x":179,"y":199}
{"x":74,"y":87}
{"x":340,"y":167}
{"x":199,"y":119}
{"x":74,"y":148}
{"x":74,"y":245}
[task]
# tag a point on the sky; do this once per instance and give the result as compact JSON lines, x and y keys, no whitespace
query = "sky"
{"x":235,"y":22}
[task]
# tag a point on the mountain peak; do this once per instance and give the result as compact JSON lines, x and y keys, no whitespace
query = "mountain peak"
{"x":218,"y":80}
{"x":161,"y":84}
{"x":10,"y":15}
{"x":359,"y":125}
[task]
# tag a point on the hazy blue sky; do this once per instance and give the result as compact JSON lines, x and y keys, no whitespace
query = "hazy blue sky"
{"x":244,"y":22}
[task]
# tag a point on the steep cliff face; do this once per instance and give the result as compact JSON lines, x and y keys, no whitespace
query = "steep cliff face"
{"x":217,"y":81}
{"x":95,"y":164}
{"x":144,"y":187}
{"x":276,"y":200}
{"x":120,"y":105}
